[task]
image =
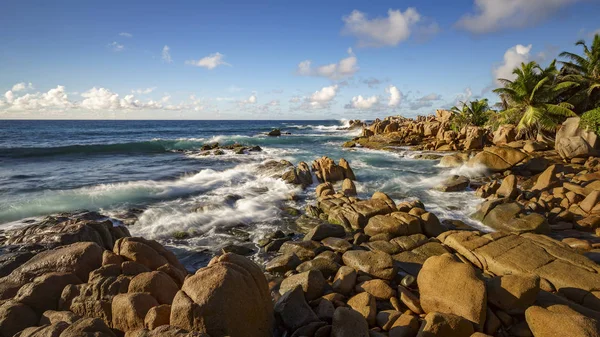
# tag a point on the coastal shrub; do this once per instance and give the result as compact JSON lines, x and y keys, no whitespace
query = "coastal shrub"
{"x":591,"y":120}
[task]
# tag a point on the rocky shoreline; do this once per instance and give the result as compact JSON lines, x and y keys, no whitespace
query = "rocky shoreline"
{"x":353,"y":267}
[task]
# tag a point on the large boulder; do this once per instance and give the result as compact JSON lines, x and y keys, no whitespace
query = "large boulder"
{"x":15,"y":317}
{"x":508,"y":217}
{"x":148,"y":253}
{"x":348,"y":323}
{"x":454,"y":183}
{"x":376,"y":264}
{"x":574,"y":147}
{"x":312,"y":283}
{"x":450,"y":286}
{"x":230,"y":297}
{"x":572,"y":141}
{"x":129,"y":310}
{"x":438,"y":324}
{"x":293,"y":310}
{"x":497,"y":158}
{"x":546,"y":323}
{"x":513,"y":293}
{"x":505,"y":134}
{"x":78,"y":258}
{"x":60,"y":233}
{"x":157,"y":284}
{"x":475,"y":138}
{"x":327,"y":170}
{"x":394,"y":224}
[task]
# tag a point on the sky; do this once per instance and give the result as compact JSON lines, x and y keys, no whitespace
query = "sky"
{"x":271,"y":59}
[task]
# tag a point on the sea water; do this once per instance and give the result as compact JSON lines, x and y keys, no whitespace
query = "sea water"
{"x":157,"y":168}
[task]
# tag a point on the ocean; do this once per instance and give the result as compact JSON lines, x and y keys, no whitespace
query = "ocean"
{"x":155,"y":168}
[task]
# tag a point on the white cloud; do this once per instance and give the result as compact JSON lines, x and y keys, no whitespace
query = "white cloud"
{"x":100,"y":99}
{"x":125,"y":34}
{"x":53,"y":99}
{"x":494,"y":15}
{"x":95,"y":99}
{"x":250,"y":100}
{"x":166,"y":54}
{"x":513,"y":58}
{"x":322,"y":98}
{"x":295,"y":99}
{"x":378,"y":32}
{"x":395,"y":96}
{"x":363,"y":103}
{"x":22,"y":86}
{"x":463,"y":97}
{"x":344,"y":68}
{"x":116,"y":46}
{"x":209,"y":62}
{"x":143,"y":91}
{"x":10,"y":96}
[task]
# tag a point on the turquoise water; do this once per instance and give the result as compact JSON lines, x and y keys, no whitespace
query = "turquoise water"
{"x":48,"y":167}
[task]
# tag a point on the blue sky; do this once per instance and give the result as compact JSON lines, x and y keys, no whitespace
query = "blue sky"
{"x":248,"y":60}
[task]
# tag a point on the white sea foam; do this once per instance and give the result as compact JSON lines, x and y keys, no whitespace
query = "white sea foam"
{"x":255,"y":199}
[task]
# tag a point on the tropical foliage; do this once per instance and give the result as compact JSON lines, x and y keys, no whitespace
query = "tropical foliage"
{"x":585,"y":71}
{"x":539,"y":99}
{"x":472,"y":113}
{"x":591,"y":120}
{"x":533,"y":96}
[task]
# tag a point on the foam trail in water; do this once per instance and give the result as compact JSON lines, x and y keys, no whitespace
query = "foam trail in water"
{"x":255,"y":201}
{"x":107,"y":195}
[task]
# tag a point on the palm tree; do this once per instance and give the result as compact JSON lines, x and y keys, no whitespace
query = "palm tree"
{"x":585,"y":71}
{"x":532,"y":98}
{"x":473,"y":113}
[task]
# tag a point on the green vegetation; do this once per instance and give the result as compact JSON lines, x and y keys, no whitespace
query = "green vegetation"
{"x":591,"y":120}
{"x":473,"y":113}
{"x":540,"y":99}
{"x":533,"y":96}
{"x":585,"y":71}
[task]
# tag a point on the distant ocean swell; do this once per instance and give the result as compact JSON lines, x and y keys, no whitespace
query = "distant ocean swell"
{"x":158,"y":145}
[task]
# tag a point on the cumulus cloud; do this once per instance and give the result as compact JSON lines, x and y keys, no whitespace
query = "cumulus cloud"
{"x":209,"y":62}
{"x":55,"y":98}
{"x":125,"y":34}
{"x":116,"y":46}
{"x":325,"y":95}
{"x":320,"y":99}
{"x":250,"y":100}
{"x":513,"y":58}
{"x":10,"y":96}
{"x":363,"y":103}
{"x":463,"y":96}
{"x":344,"y":68}
{"x":95,"y":99}
{"x":166,"y":54}
{"x":379,"y":32}
{"x":22,"y":86}
{"x":494,"y":15}
{"x":395,"y":96}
